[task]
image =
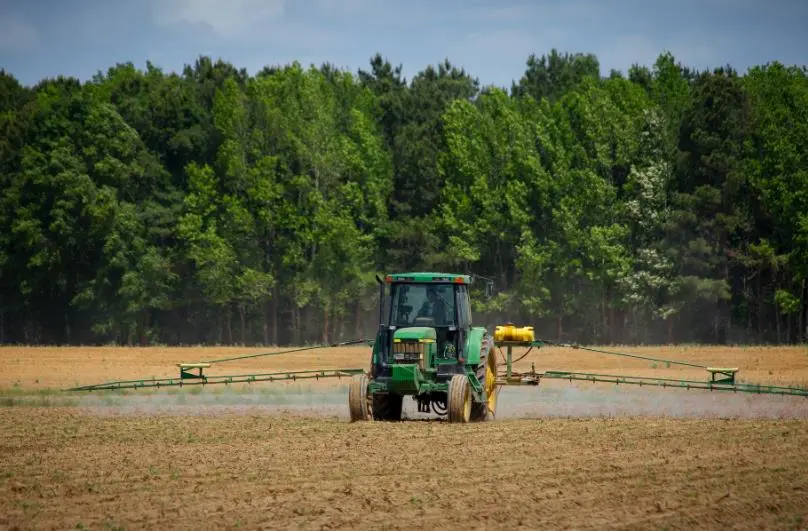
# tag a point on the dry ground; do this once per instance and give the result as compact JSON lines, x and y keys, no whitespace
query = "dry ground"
{"x":42,"y":368}
{"x":65,"y":469}
{"x":273,"y":456}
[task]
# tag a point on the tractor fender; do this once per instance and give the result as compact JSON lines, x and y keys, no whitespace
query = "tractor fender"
{"x":474,"y":343}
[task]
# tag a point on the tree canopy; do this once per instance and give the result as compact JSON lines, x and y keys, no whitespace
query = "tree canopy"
{"x":212,"y":206}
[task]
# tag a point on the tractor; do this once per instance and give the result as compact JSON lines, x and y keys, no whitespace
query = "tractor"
{"x":427,"y":347}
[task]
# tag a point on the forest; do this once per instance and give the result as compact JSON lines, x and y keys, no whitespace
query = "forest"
{"x":209,"y":206}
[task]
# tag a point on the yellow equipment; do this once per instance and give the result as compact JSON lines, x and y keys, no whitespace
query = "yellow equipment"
{"x":510,"y":332}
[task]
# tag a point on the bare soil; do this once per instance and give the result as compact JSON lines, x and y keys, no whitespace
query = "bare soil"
{"x":56,"y":367}
{"x":283,"y":455}
{"x":62,"y":469}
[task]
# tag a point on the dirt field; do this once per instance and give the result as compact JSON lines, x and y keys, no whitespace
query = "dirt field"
{"x":284,"y":455}
{"x":43,"y":368}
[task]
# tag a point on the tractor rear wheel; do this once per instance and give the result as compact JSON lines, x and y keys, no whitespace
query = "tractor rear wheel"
{"x":387,"y":406}
{"x":459,"y":398}
{"x":487,"y":375}
{"x":358,"y":402}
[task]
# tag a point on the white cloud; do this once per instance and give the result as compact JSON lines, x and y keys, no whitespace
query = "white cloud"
{"x":228,"y":18}
{"x":17,"y":35}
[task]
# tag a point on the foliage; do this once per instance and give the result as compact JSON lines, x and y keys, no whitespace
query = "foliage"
{"x":214,"y":206}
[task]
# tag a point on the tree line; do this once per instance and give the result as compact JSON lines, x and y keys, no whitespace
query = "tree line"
{"x":211,"y":206}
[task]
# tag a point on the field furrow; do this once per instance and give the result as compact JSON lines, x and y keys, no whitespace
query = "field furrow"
{"x":278,"y":456}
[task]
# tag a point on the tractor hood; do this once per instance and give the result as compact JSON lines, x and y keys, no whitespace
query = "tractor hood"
{"x":415,"y":333}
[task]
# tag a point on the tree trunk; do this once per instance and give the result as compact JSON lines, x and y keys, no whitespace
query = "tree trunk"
{"x":301,"y":316}
{"x":775,"y":285}
{"x":716,"y":327}
{"x":802,"y":333}
{"x":670,"y":329}
{"x":625,"y":328}
{"x":604,"y":307}
{"x":728,"y":324}
{"x":336,"y":328}
{"x":325,"y":325}
{"x":178,"y":323}
{"x":275,"y":317}
{"x":243,"y":317}
{"x":296,"y":325}
{"x":789,"y":318}
{"x":503,"y":272}
{"x":777,"y":322}
{"x":559,"y":327}
{"x":612,"y":331}
{"x":357,"y":320}
{"x":144,"y":327}
{"x":748,"y":309}
{"x":67,"y":328}
{"x":265,"y":327}
{"x":229,"y":323}
{"x":759,"y":312}
{"x":727,"y":305}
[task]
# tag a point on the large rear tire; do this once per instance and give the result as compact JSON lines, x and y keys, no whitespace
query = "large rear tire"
{"x":487,"y":375}
{"x":460,"y":399}
{"x":358,"y":402}
{"x":387,"y":406}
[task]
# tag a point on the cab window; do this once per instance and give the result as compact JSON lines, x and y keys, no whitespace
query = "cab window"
{"x":463,"y":310}
{"x":422,"y":305}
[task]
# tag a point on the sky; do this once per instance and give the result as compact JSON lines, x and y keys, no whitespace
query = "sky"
{"x":490,"y":39}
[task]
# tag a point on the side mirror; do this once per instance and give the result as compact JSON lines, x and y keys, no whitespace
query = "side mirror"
{"x":489,"y":289}
{"x":379,"y":279}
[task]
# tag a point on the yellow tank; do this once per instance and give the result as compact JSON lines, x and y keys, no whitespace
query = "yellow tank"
{"x":525,"y":334}
{"x":504,"y":332}
{"x":509,"y":332}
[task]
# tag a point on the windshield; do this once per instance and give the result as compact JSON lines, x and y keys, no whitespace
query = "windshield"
{"x":423,"y":305}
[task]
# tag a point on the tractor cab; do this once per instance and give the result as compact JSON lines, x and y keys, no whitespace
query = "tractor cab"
{"x":432,"y":310}
{"x":440,"y":305}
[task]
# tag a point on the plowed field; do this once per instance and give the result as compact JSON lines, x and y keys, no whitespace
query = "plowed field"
{"x":284,"y":455}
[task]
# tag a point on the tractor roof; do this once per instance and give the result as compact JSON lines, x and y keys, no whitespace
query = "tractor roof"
{"x":421,"y":277}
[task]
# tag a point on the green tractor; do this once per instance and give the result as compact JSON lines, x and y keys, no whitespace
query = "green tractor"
{"x":427,"y":347}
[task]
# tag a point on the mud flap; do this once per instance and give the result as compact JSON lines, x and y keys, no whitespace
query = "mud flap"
{"x":476,"y":387}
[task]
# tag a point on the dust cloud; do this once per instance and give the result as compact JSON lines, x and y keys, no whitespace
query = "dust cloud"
{"x":549,"y":400}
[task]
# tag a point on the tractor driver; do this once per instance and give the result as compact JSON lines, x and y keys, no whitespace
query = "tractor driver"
{"x":433,"y":307}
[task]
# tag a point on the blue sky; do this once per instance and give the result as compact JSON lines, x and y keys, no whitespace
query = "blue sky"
{"x":492,"y":40}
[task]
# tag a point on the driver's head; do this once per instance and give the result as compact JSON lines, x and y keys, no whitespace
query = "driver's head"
{"x":431,"y":293}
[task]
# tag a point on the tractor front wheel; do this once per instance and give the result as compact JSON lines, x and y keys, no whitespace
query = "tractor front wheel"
{"x":358,"y":402}
{"x":459,"y":398}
